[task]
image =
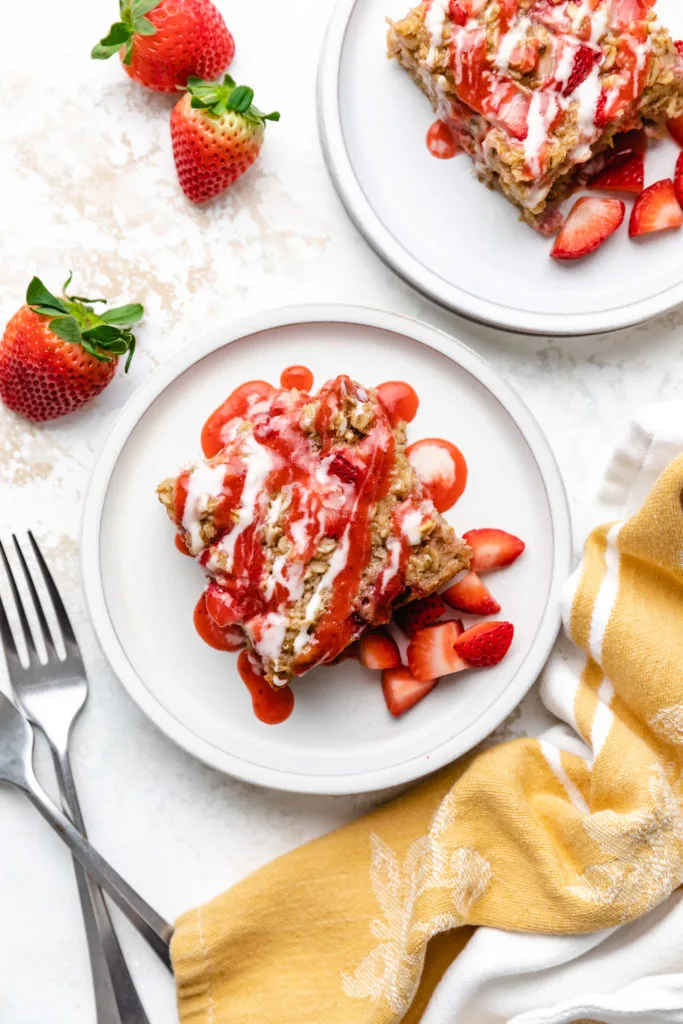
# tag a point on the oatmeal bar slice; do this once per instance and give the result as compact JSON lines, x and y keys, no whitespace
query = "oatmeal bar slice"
{"x":536,"y":90}
{"x":311,"y":525}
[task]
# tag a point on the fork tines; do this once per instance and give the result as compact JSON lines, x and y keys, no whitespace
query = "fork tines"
{"x":42,"y":608}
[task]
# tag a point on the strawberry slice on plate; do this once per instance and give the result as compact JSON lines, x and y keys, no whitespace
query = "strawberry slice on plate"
{"x":485,"y":644}
{"x":622,"y":175}
{"x":589,"y":225}
{"x":493,"y":549}
{"x":402,"y":690}
{"x":418,"y":614}
{"x":377,"y":649}
{"x":471,"y":595}
{"x":678,"y":179}
{"x":431,"y":652}
{"x":657,"y":209}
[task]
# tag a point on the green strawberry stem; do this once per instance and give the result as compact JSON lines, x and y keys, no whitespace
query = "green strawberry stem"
{"x":73,"y":319}
{"x":133,"y":23}
{"x":217,"y":98}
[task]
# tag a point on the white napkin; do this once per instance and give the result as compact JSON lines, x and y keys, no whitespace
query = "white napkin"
{"x":631,"y":974}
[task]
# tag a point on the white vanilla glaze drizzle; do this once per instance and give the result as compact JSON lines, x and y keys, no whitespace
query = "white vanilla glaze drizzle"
{"x":394,"y":548}
{"x":259,"y":463}
{"x":410,"y":526}
{"x":435,"y":20}
{"x":204,"y":483}
{"x":337,"y":564}
{"x":516,"y":34}
{"x":538,"y":123}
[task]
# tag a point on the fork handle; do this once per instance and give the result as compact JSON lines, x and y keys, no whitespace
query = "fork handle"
{"x":116,"y":998}
{"x":151,"y":925}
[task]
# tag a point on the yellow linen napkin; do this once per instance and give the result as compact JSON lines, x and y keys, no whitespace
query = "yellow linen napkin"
{"x":358,"y":927}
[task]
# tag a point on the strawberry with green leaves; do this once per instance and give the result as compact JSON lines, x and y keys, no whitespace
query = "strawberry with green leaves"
{"x":217,"y":134}
{"x":57,"y":353}
{"x":163,"y":42}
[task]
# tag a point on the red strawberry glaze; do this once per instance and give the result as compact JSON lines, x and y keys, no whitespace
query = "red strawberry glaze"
{"x":272,"y":707}
{"x":441,"y":142}
{"x":239,"y":403}
{"x":181,"y":545}
{"x":299,"y":377}
{"x":442,"y":469}
{"x":400,"y":401}
{"x":218,"y":637}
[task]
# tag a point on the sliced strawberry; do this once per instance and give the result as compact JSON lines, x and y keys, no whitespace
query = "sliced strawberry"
{"x":675,"y":126}
{"x":679,"y":46}
{"x":470,"y":595}
{"x":493,"y":549}
{"x":678,"y":179}
{"x":656,"y":209}
{"x":345,"y":470}
{"x":584,"y":62}
{"x":402,"y":690}
{"x":419,"y":614}
{"x":589,"y":225}
{"x":377,"y":650}
{"x":623,"y":175}
{"x":485,"y":644}
{"x":431,"y":652}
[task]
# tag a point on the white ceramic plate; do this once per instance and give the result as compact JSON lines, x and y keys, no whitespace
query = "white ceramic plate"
{"x":443,"y":231}
{"x":141,"y":592}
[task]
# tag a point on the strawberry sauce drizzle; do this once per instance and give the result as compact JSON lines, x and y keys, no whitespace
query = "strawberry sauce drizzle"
{"x":400,"y":401}
{"x":299,"y":377}
{"x":272,"y":707}
{"x":181,"y":545}
{"x":441,"y":141}
{"x":218,"y":637}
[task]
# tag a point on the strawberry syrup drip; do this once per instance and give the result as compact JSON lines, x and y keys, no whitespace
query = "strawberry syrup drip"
{"x":272,"y":707}
{"x":441,"y":141}
{"x":181,"y":545}
{"x":236,"y":405}
{"x":442,"y":469}
{"x":400,"y":401}
{"x":221,"y":639}
{"x":299,"y":377}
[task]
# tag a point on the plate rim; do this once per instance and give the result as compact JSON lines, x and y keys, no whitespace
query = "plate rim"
{"x":407,"y":267}
{"x":414,"y":767}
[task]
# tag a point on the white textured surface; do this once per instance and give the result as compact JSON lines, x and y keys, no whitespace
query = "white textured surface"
{"x":88,"y":182}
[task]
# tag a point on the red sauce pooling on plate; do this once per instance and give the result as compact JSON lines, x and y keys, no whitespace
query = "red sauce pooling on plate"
{"x":299,"y":377}
{"x":218,"y":637}
{"x":442,"y":469}
{"x":270,"y":706}
{"x":399,"y":400}
{"x":238,"y":404}
{"x":181,"y":545}
{"x":440,"y":141}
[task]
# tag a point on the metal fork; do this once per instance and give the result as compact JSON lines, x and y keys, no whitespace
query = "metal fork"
{"x":51,"y":696}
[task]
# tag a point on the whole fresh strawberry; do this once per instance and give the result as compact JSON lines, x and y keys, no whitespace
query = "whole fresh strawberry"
{"x":163,"y":42}
{"x":217,"y":134}
{"x":58,"y":353}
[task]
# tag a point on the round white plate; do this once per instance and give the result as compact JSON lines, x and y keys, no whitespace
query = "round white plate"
{"x":141,"y":593}
{"x":445,"y":232}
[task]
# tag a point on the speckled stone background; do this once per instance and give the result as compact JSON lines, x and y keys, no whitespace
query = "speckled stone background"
{"x":88,"y":184}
